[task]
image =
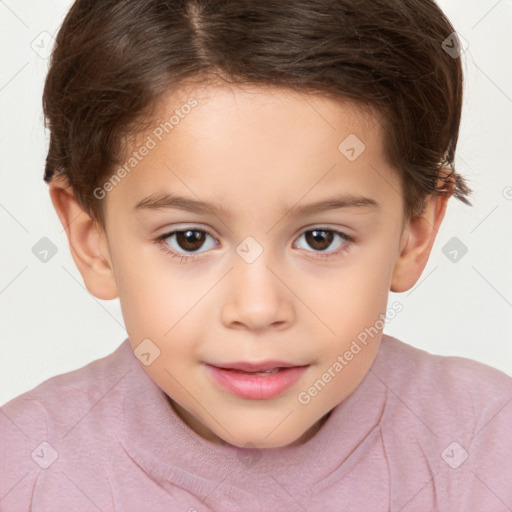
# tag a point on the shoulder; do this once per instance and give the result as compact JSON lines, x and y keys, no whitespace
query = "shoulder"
{"x":442,"y":380}
{"x":452,"y":417}
{"x":84,"y":386}
{"x":451,"y":393}
{"x":34,"y":425}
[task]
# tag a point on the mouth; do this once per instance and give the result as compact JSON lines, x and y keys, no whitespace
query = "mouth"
{"x":256,"y":381}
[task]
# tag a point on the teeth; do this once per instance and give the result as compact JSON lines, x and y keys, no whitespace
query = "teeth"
{"x":265,"y":372}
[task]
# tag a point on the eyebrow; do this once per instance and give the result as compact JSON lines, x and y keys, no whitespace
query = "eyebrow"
{"x":163,"y":201}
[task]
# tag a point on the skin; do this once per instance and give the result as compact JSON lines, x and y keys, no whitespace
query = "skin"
{"x":257,"y":152}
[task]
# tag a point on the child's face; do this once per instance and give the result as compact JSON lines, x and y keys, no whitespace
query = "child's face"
{"x":257,"y":288}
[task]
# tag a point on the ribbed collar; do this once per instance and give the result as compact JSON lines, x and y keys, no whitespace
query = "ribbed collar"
{"x":172,"y":454}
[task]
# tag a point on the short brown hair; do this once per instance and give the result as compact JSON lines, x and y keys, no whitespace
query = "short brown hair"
{"x":114,"y":59}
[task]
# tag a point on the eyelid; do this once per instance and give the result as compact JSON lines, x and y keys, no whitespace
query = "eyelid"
{"x":169,"y":232}
{"x":318,"y":227}
{"x":184,"y":257}
{"x":189,"y":257}
{"x":185,"y":227}
{"x":347,"y":241}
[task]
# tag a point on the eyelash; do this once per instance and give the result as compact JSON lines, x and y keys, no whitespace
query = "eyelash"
{"x":160,"y":241}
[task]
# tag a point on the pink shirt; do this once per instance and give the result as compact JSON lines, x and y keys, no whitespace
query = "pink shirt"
{"x":421,"y":433}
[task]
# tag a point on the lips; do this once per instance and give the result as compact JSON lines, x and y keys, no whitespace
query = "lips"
{"x":256,"y":381}
{"x":249,"y":367}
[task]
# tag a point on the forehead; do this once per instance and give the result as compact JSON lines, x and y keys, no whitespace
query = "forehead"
{"x":241,"y":144}
{"x":259,"y":114}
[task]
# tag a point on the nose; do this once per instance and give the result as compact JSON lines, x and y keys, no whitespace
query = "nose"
{"x":256,"y":297}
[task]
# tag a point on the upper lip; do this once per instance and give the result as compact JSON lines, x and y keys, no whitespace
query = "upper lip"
{"x":254,"y":367}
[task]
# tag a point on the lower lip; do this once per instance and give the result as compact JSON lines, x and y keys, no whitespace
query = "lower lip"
{"x":257,"y":387}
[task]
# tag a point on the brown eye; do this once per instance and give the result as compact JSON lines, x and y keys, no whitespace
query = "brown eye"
{"x":324,"y":242}
{"x":186,"y":242}
{"x":319,"y":239}
{"x":190,"y":240}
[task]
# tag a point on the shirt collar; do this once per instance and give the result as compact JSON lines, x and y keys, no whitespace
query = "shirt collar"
{"x":171,"y":453}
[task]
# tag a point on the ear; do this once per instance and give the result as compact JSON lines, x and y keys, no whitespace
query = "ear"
{"x":417,"y":240}
{"x":88,"y":242}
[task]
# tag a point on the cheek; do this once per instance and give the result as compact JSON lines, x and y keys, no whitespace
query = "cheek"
{"x":355,"y":311}
{"x":162,"y":305}
{"x":353,"y":297}
{"x":149,"y":285}
{"x":148,"y":294}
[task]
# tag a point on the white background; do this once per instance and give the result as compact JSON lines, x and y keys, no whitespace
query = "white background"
{"x":51,"y":324}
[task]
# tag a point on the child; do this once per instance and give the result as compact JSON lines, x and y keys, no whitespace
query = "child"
{"x":251,"y":179}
